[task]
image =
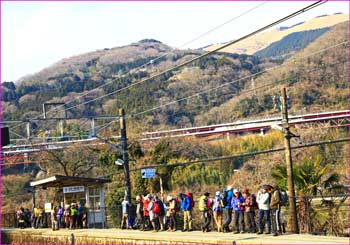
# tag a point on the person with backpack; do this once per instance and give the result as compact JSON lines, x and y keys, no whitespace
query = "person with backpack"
{"x":186,"y":206}
{"x":171,"y":213}
{"x":217,"y":211}
{"x":203,"y":208}
{"x":227,"y":199}
{"x":275,"y":210}
{"x":156,"y":213}
{"x":249,"y":208}
{"x":238,"y":207}
{"x":263,"y":200}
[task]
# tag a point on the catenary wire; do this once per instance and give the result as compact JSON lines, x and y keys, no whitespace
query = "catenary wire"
{"x":203,"y":55}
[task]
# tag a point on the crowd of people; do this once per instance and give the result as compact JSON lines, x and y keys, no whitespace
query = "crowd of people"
{"x":230,"y":204}
{"x":74,"y":216}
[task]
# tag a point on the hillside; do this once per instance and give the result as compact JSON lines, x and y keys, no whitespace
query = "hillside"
{"x":263,"y":40}
{"x":316,"y":83}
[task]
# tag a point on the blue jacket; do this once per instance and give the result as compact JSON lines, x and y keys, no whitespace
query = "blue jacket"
{"x":229,"y":199}
{"x":186,"y":203}
{"x":235,"y":202}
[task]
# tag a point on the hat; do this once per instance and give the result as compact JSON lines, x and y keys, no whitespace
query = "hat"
{"x":235,"y":190}
{"x":206,"y":194}
{"x":245,"y":190}
{"x":217,"y":193}
{"x":265,"y":187}
{"x":229,"y":187}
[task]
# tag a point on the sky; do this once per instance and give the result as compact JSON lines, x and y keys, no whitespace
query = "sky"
{"x":35,"y":35}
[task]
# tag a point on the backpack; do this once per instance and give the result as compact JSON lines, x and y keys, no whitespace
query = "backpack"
{"x":224,"y":198}
{"x":255,"y":204}
{"x":156,"y":207}
{"x":283,"y":198}
{"x":203,"y":203}
{"x":190,"y":195}
{"x":177,"y":205}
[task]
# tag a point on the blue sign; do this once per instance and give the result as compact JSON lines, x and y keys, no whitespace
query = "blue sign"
{"x":148,"y":173}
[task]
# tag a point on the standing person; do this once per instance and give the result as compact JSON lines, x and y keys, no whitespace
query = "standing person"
{"x":203,"y":207}
{"x":21,"y":218}
{"x":171,"y":213}
{"x":125,"y":212}
{"x":156,"y":213}
{"x":275,"y":210}
{"x":146,"y":219}
{"x":80,"y":212}
{"x":187,"y":211}
{"x":139,"y":213}
{"x":217,"y":211}
{"x":263,"y":200}
{"x":73,"y":216}
{"x":36,"y":217}
{"x":249,"y":208}
{"x":67,"y":218}
{"x":227,"y":199}
{"x":27,"y":217}
{"x":53,"y":215}
{"x":59,"y":215}
{"x":238,"y":207}
{"x":39,"y":221}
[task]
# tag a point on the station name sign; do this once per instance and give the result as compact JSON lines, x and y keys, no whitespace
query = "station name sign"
{"x":73,"y":189}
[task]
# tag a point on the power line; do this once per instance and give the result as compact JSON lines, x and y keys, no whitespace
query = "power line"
{"x":249,"y":154}
{"x":203,"y":55}
{"x":228,"y":83}
{"x":161,"y":56}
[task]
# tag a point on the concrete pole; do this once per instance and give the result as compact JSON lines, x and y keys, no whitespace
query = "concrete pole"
{"x":290,"y":178}
{"x":124,"y":145}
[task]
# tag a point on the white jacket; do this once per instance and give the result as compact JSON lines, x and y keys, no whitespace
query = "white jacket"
{"x":263,"y":200}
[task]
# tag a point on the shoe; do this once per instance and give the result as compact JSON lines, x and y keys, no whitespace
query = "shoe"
{"x":190,"y":230}
{"x":154,"y":231}
{"x":268,"y":232}
{"x":259,"y":233}
{"x":184,"y":230}
{"x":275,"y":234}
{"x":235,"y":232}
{"x":242,"y":232}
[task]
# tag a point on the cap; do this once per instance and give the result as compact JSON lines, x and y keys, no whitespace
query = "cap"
{"x":217,"y":193}
{"x":206,"y":194}
{"x":235,"y":190}
{"x":265,"y":187}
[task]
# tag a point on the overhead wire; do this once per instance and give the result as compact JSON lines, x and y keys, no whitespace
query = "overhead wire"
{"x":161,"y":56}
{"x":309,"y":7}
{"x":228,"y":83}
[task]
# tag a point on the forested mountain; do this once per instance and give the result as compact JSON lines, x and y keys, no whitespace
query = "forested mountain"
{"x":217,"y":86}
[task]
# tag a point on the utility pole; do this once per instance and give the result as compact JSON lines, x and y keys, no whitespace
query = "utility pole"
{"x":124,"y":145}
{"x":290,"y":178}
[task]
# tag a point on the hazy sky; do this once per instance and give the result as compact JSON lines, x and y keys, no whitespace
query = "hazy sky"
{"x":35,"y":35}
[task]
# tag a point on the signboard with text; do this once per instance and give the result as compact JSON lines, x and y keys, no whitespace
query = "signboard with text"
{"x":148,"y":173}
{"x":73,"y":189}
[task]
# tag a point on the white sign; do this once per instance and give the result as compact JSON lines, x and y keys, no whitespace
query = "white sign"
{"x":148,"y":173}
{"x":73,"y":189}
{"x":48,"y":207}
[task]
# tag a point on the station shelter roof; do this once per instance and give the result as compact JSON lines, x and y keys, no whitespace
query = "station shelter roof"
{"x":62,"y":181}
